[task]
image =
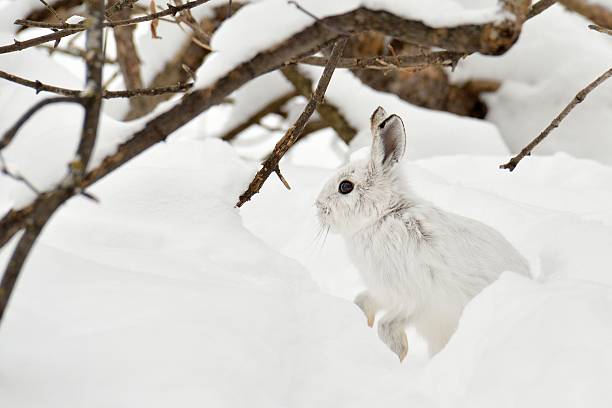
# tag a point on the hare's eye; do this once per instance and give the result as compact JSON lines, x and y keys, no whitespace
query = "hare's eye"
{"x":345,"y":187}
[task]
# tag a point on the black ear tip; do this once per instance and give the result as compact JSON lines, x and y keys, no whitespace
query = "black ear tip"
{"x":390,"y":119}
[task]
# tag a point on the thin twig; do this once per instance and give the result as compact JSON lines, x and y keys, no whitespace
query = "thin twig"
{"x":52,"y":10}
{"x":22,"y":45}
{"x":17,"y":177}
{"x":40,"y":87}
{"x":170,"y":11}
{"x":580,"y":96}
{"x":12,"y":131}
{"x":293,"y":133}
{"x":600,"y":29}
{"x":72,"y":51}
{"x":69,"y":29}
{"x":315,"y":18}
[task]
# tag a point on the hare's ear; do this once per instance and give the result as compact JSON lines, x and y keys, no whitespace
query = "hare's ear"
{"x":377,"y":118}
{"x":389,"y":142}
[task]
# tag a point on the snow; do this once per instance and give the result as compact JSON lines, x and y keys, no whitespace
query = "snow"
{"x":253,"y":30}
{"x":253,"y":96}
{"x":165,"y":294}
{"x":75,"y":19}
{"x":142,"y":299}
{"x":429,"y":133}
{"x":501,"y":334}
{"x":531,"y":95}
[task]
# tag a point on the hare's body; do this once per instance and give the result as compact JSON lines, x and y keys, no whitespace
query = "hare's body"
{"x":421,"y":265}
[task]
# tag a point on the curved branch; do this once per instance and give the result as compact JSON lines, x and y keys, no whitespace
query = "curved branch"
{"x":40,"y":87}
{"x":12,"y":131}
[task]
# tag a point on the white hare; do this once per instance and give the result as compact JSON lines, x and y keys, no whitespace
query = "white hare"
{"x":421,"y":265}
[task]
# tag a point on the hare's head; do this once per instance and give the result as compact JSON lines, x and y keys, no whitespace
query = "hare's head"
{"x":361,"y":192}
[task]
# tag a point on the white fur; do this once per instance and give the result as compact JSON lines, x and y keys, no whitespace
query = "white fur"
{"x":420,"y":264}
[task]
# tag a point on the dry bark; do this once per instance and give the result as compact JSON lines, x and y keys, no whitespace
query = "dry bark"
{"x":328,"y":112}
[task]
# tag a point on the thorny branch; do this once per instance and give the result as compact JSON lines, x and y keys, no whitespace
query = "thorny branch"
{"x":40,"y":87}
{"x":294,"y":132}
{"x":69,"y":29}
{"x":51,"y":201}
{"x":580,"y":96}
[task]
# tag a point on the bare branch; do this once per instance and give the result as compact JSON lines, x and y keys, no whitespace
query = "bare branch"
{"x":170,"y":11}
{"x":443,"y":58}
{"x":22,"y":45}
{"x":41,"y":87}
{"x":539,"y":7}
{"x":17,"y":177}
{"x":597,"y":13}
{"x":52,"y":10}
{"x":600,"y":29}
{"x":556,"y":121}
{"x":294,"y":132}
{"x":187,"y":60}
{"x":329,"y":113}
{"x":127,"y":54}
{"x":69,"y":29}
{"x":91,"y":101}
{"x":93,"y":88}
{"x":73,"y":51}
{"x":12,"y":131}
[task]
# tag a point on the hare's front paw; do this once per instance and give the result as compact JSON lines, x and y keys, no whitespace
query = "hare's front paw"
{"x":392,"y":331}
{"x":368,"y":306}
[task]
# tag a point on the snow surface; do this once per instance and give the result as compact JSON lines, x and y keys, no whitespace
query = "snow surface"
{"x":165,"y":294}
{"x":143,"y":299}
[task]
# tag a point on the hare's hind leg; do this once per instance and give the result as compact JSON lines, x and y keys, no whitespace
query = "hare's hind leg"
{"x":392,"y":331}
{"x":368,"y":306}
